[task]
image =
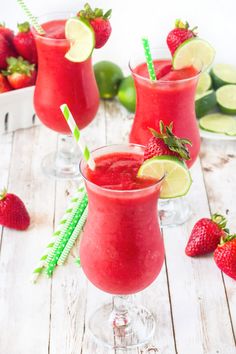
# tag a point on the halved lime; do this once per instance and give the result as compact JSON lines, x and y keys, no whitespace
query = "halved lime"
{"x":177,"y":179}
{"x":218,"y":123}
{"x":81,"y":36}
{"x":204,"y":83}
{"x":204,"y":103}
{"x":127,"y":93}
{"x":226,"y":99}
{"x":223,"y":74}
{"x":194,"y":52}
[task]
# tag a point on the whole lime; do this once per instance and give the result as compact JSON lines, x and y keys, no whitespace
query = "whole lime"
{"x":108,"y":76}
{"x":127,"y":93}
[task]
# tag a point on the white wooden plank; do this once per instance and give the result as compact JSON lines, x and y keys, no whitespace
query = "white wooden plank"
{"x":70,"y":297}
{"x":199,"y":305}
{"x":219,"y":166}
{"x":25,"y":307}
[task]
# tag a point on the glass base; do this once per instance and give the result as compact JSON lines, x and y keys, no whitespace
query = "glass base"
{"x":135,"y":332}
{"x":69,"y":169}
{"x":173,"y":212}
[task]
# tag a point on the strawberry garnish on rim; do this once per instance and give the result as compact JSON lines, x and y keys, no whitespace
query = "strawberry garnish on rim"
{"x":99,"y":21}
{"x":166,"y":143}
{"x":180,"y":34}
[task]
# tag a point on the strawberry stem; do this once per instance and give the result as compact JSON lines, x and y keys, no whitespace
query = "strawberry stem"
{"x":227,"y":238}
{"x":3,"y":193}
{"x":220,"y":220}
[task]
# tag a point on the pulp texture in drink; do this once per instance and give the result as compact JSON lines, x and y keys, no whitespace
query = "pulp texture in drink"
{"x":170,"y":99}
{"x":122,"y":248}
{"x":62,"y":81}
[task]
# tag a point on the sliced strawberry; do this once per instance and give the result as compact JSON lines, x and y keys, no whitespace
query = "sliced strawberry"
{"x":20,"y":73}
{"x":99,"y":21}
{"x":25,"y":44}
{"x":179,"y":34}
{"x":166,"y":143}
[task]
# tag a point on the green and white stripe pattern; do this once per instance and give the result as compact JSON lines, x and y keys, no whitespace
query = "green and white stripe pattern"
{"x":32,"y":19}
{"x":77,"y":135}
{"x":149,"y":61}
{"x":59,"y":233}
{"x":67,"y":235}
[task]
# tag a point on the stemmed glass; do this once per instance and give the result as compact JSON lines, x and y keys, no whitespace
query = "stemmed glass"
{"x":61,"y":81}
{"x":169,"y":101}
{"x":121,"y":253}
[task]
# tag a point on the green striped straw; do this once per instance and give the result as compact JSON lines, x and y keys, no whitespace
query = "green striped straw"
{"x":73,"y":238}
{"x":32,"y":19}
{"x":77,"y":135}
{"x":149,"y":61}
{"x":66,"y":237}
{"x":58,"y":234}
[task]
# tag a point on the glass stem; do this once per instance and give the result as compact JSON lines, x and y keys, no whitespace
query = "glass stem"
{"x":120,"y":314}
{"x":67,"y":153}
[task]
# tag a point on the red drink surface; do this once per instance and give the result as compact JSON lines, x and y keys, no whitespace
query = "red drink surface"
{"x":121,"y":249}
{"x":170,"y":99}
{"x":62,"y":81}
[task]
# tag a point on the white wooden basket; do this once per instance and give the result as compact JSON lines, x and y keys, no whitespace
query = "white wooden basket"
{"x":17,"y":110}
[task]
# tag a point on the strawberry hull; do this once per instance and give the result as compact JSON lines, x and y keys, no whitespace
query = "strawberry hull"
{"x":62,"y":81}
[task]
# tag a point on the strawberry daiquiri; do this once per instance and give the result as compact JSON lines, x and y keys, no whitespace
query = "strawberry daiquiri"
{"x":121,"y":249}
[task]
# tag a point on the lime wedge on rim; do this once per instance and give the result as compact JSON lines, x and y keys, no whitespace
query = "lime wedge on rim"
{"x":204,"y":83}
{"x":193,"y":52}
{"x":177,"y":179}
{"x":81,"y":36}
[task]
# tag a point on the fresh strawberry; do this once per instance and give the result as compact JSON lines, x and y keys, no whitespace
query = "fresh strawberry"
{"x":20,"y":73}
{"x":100,"y":23}
{"x":225,"y":255}
{"x":166,"y":143}
{"x":4,"y":84}
{"x":206,"y":235}
{"x":6,"y":50}
{"x":13,"y":213}
{"x":25,"y":44}
{"x":6,"y":32}
{"x":179,"y":34}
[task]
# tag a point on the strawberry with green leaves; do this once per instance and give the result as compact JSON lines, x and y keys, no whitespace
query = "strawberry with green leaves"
{"x":99,"y":21}
{"x":25,"y":44}
{"x":13,"y":213}
{"x":6,"y":32}
{"x":225,"y":255}
{"x":206,"y":235}
{"x":165,"y":142}
{"x":179,"y":34}
{"x":20,"y":73}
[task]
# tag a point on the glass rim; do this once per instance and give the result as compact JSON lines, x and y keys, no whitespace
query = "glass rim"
{"x":132,"y":68}
{"x":58,"y":40}
{"x":128,"y":191}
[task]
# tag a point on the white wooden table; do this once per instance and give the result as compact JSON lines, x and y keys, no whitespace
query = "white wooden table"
{"x":193,"y":303}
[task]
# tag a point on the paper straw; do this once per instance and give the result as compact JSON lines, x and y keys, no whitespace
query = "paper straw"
{"x":32,"y":19}
{"x":77,"y":135}
{"x":74,"y":236}
{"x":58,"y":234}
{"x":63,"y":242}
{"x":149,"y":61}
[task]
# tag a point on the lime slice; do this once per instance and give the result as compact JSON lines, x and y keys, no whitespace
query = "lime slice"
{"x":204,"y":103}
{"x":193,"y":52}
{"x":204,"y":83}
{"x":82,"y":39}
{"x":223,"y":74}
{"x":218,"y":123}
{"x":226,"y":99}
{"x":177,"y":179}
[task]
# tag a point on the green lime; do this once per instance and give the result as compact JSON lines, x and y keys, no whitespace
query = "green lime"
{"x":194,"y":51}
{"x":226,"y":99}
{"x":223,"y":74}
{"x":218,"y":123}
{"x":108,"y":76}
{"x":204,"y":83}
{"x":204,"y":103}
{"x":127,"y":93}
{"x":177,"y":179}
{"x":82,"y":38}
